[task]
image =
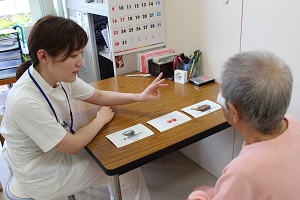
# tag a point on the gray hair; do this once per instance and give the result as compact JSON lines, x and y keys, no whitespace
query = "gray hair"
{"x":259,"y":84}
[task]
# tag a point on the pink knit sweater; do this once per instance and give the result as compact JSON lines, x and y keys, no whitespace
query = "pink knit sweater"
{"x":268,"y":170}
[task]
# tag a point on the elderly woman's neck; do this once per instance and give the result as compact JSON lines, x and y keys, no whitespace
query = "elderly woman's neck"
{"x":252,"y":137}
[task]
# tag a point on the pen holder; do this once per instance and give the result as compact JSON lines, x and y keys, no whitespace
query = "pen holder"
{"x":192,"y":70}
{"x":166,"y":68}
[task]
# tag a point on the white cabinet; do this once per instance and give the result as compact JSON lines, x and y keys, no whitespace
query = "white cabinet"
{"x":97,"y":66}
{"x":132,"y":32}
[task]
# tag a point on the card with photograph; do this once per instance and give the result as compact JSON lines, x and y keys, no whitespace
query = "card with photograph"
{"x":129,"y":135}
{"x":168,"y":121}
{"x":202,"y":108}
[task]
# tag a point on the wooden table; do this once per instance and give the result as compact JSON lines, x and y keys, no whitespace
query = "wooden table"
{"x":116,"y":161}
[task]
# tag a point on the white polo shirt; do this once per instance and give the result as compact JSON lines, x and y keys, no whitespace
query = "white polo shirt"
{"x":31,"y":132}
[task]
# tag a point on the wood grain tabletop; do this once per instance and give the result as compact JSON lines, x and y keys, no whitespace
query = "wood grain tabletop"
{"x":174,"y":97}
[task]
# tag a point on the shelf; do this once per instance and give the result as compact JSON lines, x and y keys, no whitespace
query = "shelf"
{"x":4,"y":48}
{"x":105,"y":55}
{"x":9,"y":55}
{"x":7,"y":31}
{"x":8,"y":73}
{"x":10,"y":64}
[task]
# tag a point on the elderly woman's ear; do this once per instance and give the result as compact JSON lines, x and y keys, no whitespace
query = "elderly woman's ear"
{"x":233,"y":113}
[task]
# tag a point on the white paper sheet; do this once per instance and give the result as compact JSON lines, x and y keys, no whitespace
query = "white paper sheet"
{"x":198,"y":113}
{"x":105,"y":36}
{"x":168,"y":121}
{"x":129,"y":135}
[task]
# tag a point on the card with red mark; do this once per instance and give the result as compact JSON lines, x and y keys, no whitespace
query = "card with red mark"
{"x":168,"y":121}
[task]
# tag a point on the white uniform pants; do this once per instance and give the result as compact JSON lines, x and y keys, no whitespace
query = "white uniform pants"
{"x":133,"y":186}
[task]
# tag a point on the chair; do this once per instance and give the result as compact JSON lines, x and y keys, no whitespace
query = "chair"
{"x":14,"y":191}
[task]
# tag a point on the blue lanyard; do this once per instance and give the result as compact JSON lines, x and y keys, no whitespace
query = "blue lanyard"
{"x":49,"y":101}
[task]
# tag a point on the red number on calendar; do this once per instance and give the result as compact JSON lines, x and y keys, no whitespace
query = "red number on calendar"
{"x":114,"y":20}
{"x":115,"y":32}
{"x":122,"y":19}
{"x":117,"y":44}
{"x":113,"y":8}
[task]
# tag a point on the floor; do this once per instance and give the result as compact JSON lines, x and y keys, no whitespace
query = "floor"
{"x":172,"y":177}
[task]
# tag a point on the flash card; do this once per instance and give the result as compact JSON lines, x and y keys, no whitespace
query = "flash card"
{"x":168,"y":121}
{"x":129,"y":135}
{"x":201,"y":108}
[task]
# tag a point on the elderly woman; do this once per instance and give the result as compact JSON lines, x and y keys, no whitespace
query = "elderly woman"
{"x":255,"y":94}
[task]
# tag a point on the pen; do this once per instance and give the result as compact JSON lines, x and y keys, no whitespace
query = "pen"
{"x":192,"y":68}
{"x":143,"y":75}
{"x":180,"y":59}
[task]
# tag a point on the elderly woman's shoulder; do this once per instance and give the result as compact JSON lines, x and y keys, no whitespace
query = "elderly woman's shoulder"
{"x":250,"y":160}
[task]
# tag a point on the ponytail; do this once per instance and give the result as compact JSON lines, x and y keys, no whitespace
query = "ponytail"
{"x":22,"y":68}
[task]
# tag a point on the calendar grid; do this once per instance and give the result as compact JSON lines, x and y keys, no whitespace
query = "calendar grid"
{"x":136,"y":25}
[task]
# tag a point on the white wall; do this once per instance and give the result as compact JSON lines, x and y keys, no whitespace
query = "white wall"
{"x":274,"y":25}
{"x":211,"y":26}
{"x":214,"y":28}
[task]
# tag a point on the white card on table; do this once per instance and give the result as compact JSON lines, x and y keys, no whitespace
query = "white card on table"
{"x":202,"y":108}
{"x":168,"y":121}
{"x":129,"y":135}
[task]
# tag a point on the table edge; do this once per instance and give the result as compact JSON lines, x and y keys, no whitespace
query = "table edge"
{"x":158,"y":154}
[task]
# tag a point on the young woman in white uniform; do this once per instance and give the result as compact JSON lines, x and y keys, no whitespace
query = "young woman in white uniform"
{"x":47,"y":160}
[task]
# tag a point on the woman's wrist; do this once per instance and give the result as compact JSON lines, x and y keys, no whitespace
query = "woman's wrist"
{"x":99,"y":122}
{"x":139,"y":97}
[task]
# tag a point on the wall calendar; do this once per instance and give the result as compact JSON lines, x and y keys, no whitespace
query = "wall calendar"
{"x":136,"y":25}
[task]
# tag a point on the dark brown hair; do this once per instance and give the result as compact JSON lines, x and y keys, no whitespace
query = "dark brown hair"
{"x":56,"y":35}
